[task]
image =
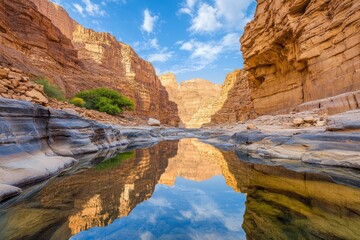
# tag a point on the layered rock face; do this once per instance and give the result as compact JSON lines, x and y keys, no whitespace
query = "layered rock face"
{"x":236,"y":104}
{"x":301,"y":50}
{"x":190,"y":96}
{"x":41,"y":39}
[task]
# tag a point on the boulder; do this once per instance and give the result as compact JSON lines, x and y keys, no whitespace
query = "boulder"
{"x":298,"y":121}
{"x":4,"y":72}
{"x":251,"y":127}
{"x":309,"y":119}
{"x":153,"y":122}
{"x":34,"y":94}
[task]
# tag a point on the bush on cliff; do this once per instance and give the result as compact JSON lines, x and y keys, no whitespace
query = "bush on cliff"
{"x":51,"y":90}
{"x":105,"y":100}
{"x":79,"y":102}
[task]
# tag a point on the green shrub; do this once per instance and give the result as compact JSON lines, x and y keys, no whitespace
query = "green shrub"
{"x":79,"y":102}
{"x":116,"y":161}
{"x":50,"y":89}
{"x":105,"y":100}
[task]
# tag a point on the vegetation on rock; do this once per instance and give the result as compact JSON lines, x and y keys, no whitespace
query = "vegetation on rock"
{"x":79,"y":102}
{"x":115,"y":162}
{"x":105,"y":100}
{"x":51,"y":90}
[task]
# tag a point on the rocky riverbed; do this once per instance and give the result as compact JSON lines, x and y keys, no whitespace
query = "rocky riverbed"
{"x":38,"y":142}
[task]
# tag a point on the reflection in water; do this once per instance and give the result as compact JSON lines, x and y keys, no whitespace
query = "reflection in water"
{"x":187,"y":198}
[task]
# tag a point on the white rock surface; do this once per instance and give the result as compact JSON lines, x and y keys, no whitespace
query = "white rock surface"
{"x":7,"y":191}
{"x":153,"y":122}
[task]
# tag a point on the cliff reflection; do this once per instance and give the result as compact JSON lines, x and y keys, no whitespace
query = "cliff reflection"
{"x":280,"y":203}
{"x":283,"y":204}
{"x":94,"y":197}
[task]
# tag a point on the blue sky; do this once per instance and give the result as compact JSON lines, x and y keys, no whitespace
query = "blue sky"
{"x":189,"y":210}
{"x":192,"y":38}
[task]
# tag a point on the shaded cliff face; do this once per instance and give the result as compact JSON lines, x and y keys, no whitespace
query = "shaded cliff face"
{"x":190,"y":96}
{"x":47,"y":42}
{"x":301,"y":50}
{"x":91,"y":198}
{"x":235,"y":103}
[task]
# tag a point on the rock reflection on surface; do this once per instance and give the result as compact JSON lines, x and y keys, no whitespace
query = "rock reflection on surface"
{"x":187,"y":199}
{"x":283,"y":204}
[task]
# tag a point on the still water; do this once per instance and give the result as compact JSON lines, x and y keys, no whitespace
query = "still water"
{"x":188,"y":190}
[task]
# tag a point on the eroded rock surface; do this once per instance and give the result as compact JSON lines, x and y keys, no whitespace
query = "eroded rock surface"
{"x":190,"y":96}
{"x":301,"y":51}
{"x":46,"y":42}
{"x":298,"y":56}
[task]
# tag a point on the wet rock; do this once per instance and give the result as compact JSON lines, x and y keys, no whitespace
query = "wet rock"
{"x":7,"y":191}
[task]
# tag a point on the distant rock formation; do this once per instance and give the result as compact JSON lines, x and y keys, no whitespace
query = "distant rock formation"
{"x":298,"y":55}
{"x":41,"y":39}
{"x":190,"y":96}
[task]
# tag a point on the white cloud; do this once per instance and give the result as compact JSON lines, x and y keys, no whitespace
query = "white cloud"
{"x":160,"y":202}
{"x":206,"y":20}
{"x":210,"y":51}
{"x":154,"y":43}
{"x":146,"y":236}
{"x":93,"y":9}
{"x":88,"y":8}
{"x":234,"y":11}
{"x":204,"y":54}
{"x":191,"y":3}
{"x":185,"y":11}
{"x":188,"y":46}
{"x":79,"y":9}
{"x":226,"y":15}
{"x":149,"y":21}
{"x":163,"y":56}
{"x":187,"y":7}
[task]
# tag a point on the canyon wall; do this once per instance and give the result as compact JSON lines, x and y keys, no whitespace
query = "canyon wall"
{"x":237,"y":106}
{"x":190,"y":96}
{"x":298,"y":55}
{"x":301,"y":50}
{"x":41,"y":39}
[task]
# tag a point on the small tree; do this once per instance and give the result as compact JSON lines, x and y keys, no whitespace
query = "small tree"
{"x":106,"y":100}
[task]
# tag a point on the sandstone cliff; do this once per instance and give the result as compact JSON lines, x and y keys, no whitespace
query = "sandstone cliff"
{"x":190,"y":96}
{"x":233,"y":105}
{"x":298,"y":55}
{"x":40,"y":38}
{"x":301,"y":50}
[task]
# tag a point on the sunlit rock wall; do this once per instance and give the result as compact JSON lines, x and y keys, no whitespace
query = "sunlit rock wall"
{"x":301,"y":50}
{"x":190,"y":96}
{"x":41,"y":39}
